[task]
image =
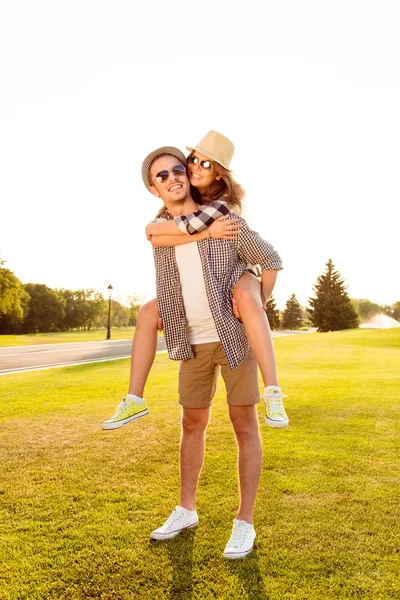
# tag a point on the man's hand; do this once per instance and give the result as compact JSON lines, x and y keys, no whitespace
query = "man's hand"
{"x":225,"y":229}
{"x":160,"y":325}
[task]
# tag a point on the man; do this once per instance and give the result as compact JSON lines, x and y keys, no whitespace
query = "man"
{"x":194,"y":291}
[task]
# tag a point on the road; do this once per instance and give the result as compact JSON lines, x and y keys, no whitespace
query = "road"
{"x":14,"y":359}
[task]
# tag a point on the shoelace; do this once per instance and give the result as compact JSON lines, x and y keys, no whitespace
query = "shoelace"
{"x":274,"y":402}
{"x":238,"y":535}
{"x":121,"y":407}
{"x":171,"y":519}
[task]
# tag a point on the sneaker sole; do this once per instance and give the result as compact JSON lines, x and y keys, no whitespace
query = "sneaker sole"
{"x":276,"y":424}
{"x":168,"y":536}
{"x":238,"y":554}
{"x":119,"y":424}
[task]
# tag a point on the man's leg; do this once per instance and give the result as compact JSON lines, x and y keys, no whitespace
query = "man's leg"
{"x":197,"y":383}
{"x":245,"y":424}
{"x":243,"y":395}
{"x":194,"y":423}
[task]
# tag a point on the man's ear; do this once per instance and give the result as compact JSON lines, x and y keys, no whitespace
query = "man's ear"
{"x":154,"y":191}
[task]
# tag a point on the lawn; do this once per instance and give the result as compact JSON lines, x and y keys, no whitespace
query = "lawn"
{"x":65,"y":337}
{"x":78,"y":504}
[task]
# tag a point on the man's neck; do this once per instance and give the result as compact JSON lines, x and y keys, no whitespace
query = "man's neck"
{"x":187,"y":207}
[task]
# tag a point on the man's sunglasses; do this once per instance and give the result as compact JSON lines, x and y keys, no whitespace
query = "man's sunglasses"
{"x":193,"y":160}
{"x":163,"y":175}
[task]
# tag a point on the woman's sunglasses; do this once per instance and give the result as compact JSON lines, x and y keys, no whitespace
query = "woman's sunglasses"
{"x":163,"y":175}
{"x":193,"y":160}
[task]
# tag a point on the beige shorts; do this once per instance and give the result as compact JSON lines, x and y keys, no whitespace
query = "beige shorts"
{"x":198,"y":378}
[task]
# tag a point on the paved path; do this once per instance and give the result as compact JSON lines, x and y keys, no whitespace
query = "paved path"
{"x":27,"y":358}
{"x":14,"y":359}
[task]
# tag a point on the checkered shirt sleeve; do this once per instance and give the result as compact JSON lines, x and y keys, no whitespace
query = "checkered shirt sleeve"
{"x":252,"y":248}
{"x":202,"y":218}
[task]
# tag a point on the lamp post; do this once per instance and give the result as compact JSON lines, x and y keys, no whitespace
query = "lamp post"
{"x":110,"y":289}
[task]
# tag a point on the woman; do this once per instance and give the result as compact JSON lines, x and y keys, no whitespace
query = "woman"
{"x":217,"y":192}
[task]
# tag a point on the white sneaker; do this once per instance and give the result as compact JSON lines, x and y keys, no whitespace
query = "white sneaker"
{"x":276,"y":415}
{"x":241,"y":541}
{"x":180,"y":519}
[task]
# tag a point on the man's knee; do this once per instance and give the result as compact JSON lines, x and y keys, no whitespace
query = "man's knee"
{"x":194,"y":419}
{"x":244,"y":420}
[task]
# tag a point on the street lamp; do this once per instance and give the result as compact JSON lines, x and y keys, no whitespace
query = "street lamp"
{"x":110,"y":289}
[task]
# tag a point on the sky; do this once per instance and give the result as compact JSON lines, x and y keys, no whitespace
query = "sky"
{"x":309,"y":93}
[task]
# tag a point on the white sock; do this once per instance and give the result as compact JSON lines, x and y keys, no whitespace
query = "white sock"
{"x":187,"y":510}
{"x":136,"y":399}
{"x":272,"y":389}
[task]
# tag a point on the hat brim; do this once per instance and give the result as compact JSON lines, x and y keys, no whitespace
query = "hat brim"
{"x":171,"y":150}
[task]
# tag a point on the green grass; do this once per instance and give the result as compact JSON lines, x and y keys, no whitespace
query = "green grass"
{"x":77,"y":504}
{"x":64,"y":337}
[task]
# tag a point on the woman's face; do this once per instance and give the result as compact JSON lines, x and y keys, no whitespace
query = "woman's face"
{"x":200,"y":176}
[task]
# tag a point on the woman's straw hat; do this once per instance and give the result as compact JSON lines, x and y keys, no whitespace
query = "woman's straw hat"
{"x":217,"y":147}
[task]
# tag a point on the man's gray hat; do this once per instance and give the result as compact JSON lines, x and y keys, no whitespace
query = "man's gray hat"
{"x":149,"y":159}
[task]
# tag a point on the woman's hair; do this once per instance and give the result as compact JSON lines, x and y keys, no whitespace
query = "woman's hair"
{"x":225,"y":186}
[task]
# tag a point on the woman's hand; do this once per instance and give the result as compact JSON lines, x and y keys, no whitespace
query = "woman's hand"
{"x":235,"y":309}
{"x":225,"y":229}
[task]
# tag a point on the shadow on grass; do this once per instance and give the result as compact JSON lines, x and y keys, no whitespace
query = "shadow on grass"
{"x":180,"y":550}
{"x":180,"y":553}
{"x":248,"y":571}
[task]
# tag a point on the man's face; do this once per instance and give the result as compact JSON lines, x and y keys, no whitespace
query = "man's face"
{"x":171,"y":186}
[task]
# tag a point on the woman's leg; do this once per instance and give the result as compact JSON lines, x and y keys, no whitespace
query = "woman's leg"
{"x":144,"y":347}
{"x":247,"y":295}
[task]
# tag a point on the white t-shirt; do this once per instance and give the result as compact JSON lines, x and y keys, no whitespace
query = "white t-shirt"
{"x":200,"y":323}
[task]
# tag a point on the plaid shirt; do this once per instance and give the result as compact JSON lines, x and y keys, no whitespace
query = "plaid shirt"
{"x":202,"y":218}
{"x":223,"y":263}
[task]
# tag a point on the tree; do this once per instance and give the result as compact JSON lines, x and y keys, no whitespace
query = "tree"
{"x":13,"y":301}
{"x":119,"y":314}
{"x":272,"y":313}
{"x":396,"y":311}
{"x":70,"y":317}
{"x":135,"y":302}
{"x":45,"y":311}
{"x":292,"y":317}
{"x":88,"y":308}
{"x":331,"y":309}
{"x":368,"y":309}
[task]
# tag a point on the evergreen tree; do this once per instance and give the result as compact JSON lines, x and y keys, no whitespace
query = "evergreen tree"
{"x":293,"y":314}
{"x":331,"y":309}
{"x":273,"y":314}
